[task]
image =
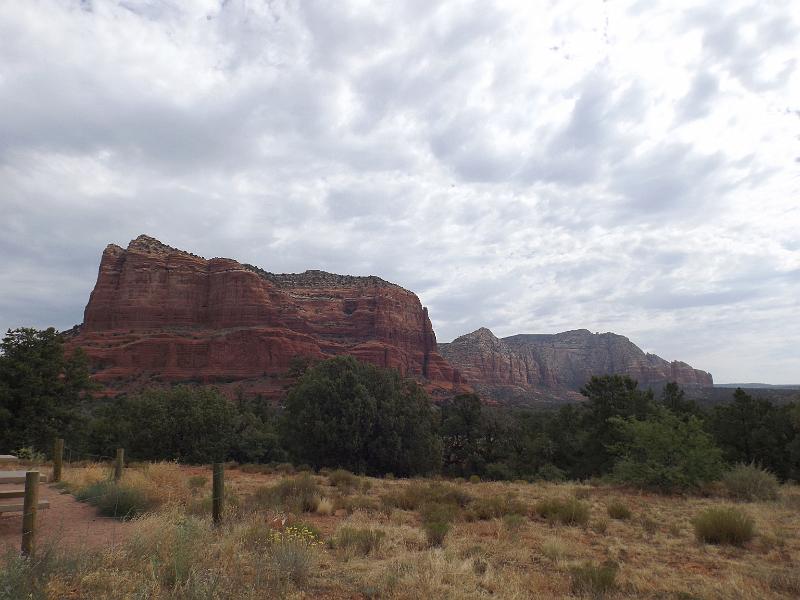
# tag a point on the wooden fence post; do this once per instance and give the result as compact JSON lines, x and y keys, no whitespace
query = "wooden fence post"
{"x":29,"y":508}
{"x":218,"y":494}
{"x":58,"y":459}
{"x":119,"y":464}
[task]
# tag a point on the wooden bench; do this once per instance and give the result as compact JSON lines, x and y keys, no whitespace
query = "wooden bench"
{"x":5,"y":494}
{"x":18,"y":477}
{"x":19,"y":506}
{"x":8,"y":458}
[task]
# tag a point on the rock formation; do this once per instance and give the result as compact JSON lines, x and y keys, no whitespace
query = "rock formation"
{"x":162,"y":314}
{"x":531,"y":368}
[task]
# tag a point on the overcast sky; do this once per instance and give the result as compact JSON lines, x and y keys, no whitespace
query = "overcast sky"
{"x":530,"y":167}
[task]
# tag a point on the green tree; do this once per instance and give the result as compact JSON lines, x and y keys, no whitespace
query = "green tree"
{"x":665,"y":452}
{"x":189,"y":424}
{"x":345,"y":413}
{"x":608,"y":397}
{"x":674,"y":398}
{"x":754,"y":430}
{"x":41,"y":389}
{"x":461,"y":428}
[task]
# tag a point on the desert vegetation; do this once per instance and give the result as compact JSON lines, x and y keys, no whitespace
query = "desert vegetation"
{"x":357,"y":486}
{"x":412,"y":538}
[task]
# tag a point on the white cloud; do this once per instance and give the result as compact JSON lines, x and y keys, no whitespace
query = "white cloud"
{"x":531,"y":167}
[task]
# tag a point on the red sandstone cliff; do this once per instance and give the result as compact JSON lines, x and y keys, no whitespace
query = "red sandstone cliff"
{"x":158,"y":313}
{"x":524,"y":368}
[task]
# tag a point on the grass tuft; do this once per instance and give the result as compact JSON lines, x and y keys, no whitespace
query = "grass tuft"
{"x":567,"y":511}
{"x":724,"y":525}
{"x":750,"y":483}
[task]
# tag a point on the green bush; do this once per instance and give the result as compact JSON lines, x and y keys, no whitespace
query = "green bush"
{"x":618,"y":510}
{"x":665,"y":453}
{"x":724,"y":525}
{"x":435,"y":532}
{"x":569,"y":511}
{"x":298,"y":494}
{"x":750,"y":482}
{"x":499,"y":471}
{"x":594,"y":580}
{"x":115,"y":500}
{"x":361,"y":541}
{"x":474,"y":479}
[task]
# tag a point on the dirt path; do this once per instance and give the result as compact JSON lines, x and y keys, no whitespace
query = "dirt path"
{"x":66,"y":523}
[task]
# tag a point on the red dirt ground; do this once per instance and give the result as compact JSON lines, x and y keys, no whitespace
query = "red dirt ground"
{"x":67,"y":523}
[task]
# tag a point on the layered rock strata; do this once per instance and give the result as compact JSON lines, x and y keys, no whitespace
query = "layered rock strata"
{"x":159,"y":313}
{"x":558,"y":365}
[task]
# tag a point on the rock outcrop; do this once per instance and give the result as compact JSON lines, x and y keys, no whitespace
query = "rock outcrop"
{"x":530,"y":368}
{"x":161,"y":314}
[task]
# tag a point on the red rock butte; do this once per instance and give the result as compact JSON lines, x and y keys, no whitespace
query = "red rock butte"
{"x":159,"y":314}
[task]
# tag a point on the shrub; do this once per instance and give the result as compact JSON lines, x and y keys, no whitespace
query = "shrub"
{"x":513,"y":523}
{"x":618,"y":510}
{"x":291,"y":553}
{"x":435,"y":532}
{"x":197,"y":482}
{"x":498,"y":471}
{"x":299,"y":494}
{"x":343,"y":479}
{"x":474,"y":479}
{"x":413,"y":496}
{"x":354,"y":503}
{"x":360,"y":541}
{"x":595,"y":580}
{"x":600,"y":526}
{"x":649,"y":525}
{"x":325,"y":507}
{"x":550,"y":472}
{"x":494,"y":507}
{"x":724,"y":525}
{"x":582,"y":493}
{"x":750,"y":482}
{"x":119,"y":501}
{"x":568,"y":511}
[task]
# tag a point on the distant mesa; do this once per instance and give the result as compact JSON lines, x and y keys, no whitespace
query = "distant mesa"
{"x":161,"y":314}
{"x":535,"y":368}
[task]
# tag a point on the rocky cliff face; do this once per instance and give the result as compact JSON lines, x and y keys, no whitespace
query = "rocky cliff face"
{"x":537,"y":367}
{"x":158,"y":313}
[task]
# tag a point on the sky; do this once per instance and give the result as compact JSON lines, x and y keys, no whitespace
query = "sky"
{"x":531,"y":167}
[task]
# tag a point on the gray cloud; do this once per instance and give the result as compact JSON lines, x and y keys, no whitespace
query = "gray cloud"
{"x":527,"y":169}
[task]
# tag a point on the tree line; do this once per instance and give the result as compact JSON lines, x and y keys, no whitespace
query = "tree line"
{"x":353,"y":415}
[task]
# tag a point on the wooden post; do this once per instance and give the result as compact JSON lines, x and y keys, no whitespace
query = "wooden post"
{"x":58,"y":459}
{"x":119,"y":464}
{"x":29,"y":508}
{"x":218,"y":494}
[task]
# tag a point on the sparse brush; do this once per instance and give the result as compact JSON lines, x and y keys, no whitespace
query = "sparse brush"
{"x":495,"y":507}
{"x":345,"y":480}
{"x":120,"y":501}
{"x":513,"y":523}
{"x":582,"y":493}
{"x":567,"y":511}
{"x":750,"y":482}
{"x":354,"y":503}
{"x":298,"y":494}
{"x":618,"y":510}
{"x":724,"y":525}
{"x":413,"y":496}
{"x":197,"y":482}
{"x":594,"y":580}
{"x":360,"y":541}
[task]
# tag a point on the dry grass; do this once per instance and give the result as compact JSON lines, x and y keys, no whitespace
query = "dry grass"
{"x":385,"y":553}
